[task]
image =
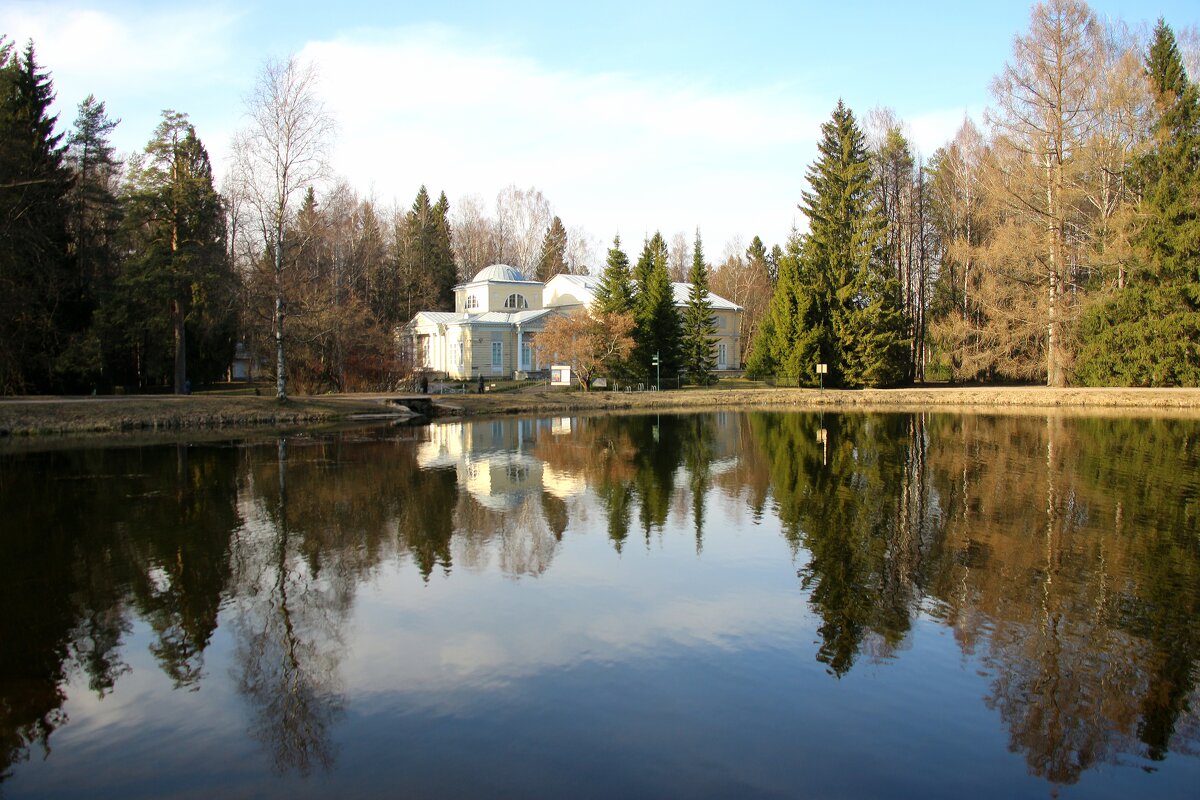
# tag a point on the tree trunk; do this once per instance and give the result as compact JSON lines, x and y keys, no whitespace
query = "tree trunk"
{"x":280,"y":374}
{"x":180,"y":347}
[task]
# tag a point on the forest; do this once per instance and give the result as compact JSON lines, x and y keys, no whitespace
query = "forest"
{"x":1056,"y":242}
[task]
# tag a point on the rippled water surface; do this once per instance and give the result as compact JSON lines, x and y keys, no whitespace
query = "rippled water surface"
{"x":728,"y":605}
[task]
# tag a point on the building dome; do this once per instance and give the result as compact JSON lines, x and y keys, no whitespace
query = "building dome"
{"x":499,"y":272}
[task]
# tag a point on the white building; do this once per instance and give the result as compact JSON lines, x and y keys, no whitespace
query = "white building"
{"x":497,"y":312}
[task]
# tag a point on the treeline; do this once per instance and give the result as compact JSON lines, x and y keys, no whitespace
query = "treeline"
{"x":1061,"y":244}
{"x":108,"y":272}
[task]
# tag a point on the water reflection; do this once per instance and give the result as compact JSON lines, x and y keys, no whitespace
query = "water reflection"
{"x":1061,"y":554}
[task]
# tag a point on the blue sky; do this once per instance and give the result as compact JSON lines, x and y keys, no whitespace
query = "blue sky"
{"x":629,"y":116}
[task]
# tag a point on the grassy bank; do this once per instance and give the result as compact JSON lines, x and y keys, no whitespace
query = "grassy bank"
{"x":1129,"y":402}
{"x":60,"y":415}
{"x":141,"y":413}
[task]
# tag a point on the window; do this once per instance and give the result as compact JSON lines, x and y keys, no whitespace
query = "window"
{"x":472,"y":301}
{"x":497,"y":355}
{"x":721,"y":356}
{"x":526,"y":356}
{"x":516,"y":301}
{"x":458,"y":353}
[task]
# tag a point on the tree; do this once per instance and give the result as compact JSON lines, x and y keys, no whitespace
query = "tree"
{"x":591,"y":341}
{"x":615,"y":293}
{"x":177,"y":265}
{"x":793,"y":335}
{"x":1147,"y":333}
{"x":744,"y":279}
{"x":844,"y":304}
{"x":36,"y":303}
{"x":522,"y":216}
{"x":95,"y":211}
{"x":699,"y":328}
{"x":1046,"y":113}
{"x":280,"y":154}
{"x":552,"y":259}
{"x":657,"y":331}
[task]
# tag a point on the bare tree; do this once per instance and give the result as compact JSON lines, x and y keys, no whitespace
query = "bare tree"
{"x":281,"y":153}
{"x":473,"y":236}
{"x":522,"y":216}
{"x":679,"y":261}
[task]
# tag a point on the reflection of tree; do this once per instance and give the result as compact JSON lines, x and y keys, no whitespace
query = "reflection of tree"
{"x":1073,"y":542}
{"x":291,"y":607}
{"x":852,"y":510}
{"x":698,"y":454}
{"x":80,"y":555}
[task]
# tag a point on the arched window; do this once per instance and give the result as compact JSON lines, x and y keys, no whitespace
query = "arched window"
{"x":472,"y":301}
{"x":516,"y":301}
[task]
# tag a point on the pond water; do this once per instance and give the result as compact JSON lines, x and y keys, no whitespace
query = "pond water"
{"x":725,"y":605}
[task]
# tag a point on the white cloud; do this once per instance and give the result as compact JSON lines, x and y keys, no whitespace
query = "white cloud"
{"x":137,"y":64}
{"x":612,"y":151}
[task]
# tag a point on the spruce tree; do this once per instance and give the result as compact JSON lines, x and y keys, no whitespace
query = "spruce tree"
{"x":615,"y":293}
{"x":863,"y":332}
{"x":442,"y":266}
{"x":553,"y":257}
{"x":1147,"y":333}
{"x":699,"y":328}
{"x":657,"y":320}
{"x":39,"y":308}
{"x":790,"y":343}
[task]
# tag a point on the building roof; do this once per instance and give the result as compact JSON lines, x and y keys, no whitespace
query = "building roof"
{"x":487,"y":318}
{"x":718,"y":303}
{"x":498,"y":272}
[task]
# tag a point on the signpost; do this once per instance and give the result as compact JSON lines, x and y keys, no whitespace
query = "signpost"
{"x":657,"y":362}
{"x":822,"y":370}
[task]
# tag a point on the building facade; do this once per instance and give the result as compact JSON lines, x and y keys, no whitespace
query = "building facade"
{"x":498,"y":313}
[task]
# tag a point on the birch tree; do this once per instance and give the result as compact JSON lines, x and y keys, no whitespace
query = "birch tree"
{"x":281,"y":152}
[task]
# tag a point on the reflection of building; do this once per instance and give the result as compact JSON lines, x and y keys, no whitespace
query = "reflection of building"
{"x":491,"y":461}
{"x":497,"y":312}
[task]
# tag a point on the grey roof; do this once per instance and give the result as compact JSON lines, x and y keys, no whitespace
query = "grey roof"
{"x":681,"y":291}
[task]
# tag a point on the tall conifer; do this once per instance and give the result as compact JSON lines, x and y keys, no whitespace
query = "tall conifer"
{"x":37,"y":300}
{"x":863,"y":339}
{"x":699,"y":327}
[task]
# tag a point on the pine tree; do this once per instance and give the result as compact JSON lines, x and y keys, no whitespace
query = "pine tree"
{"x":552,"y":259}
{"x":93,"y":223}
{"x":38,"y":308}
{"x":657,"y":331}
{"x":1147,"y":333}
{"x":615,"y":293}
{"x":699,"y":327}
{"x":177,"y":283}
{"x":863,"y":338}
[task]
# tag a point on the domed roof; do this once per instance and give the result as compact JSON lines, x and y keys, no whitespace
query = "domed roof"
{"x":499,"y":272}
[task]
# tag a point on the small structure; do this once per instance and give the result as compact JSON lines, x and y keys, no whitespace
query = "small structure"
{"x":560,"y":375}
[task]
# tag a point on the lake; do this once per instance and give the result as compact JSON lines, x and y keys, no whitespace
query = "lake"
{"x":721,"y":605}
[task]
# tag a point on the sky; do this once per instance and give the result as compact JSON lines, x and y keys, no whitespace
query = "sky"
{"x":630,"y":117}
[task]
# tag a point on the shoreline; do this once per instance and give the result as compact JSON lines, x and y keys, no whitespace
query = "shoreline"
{"x":123,"y":415}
